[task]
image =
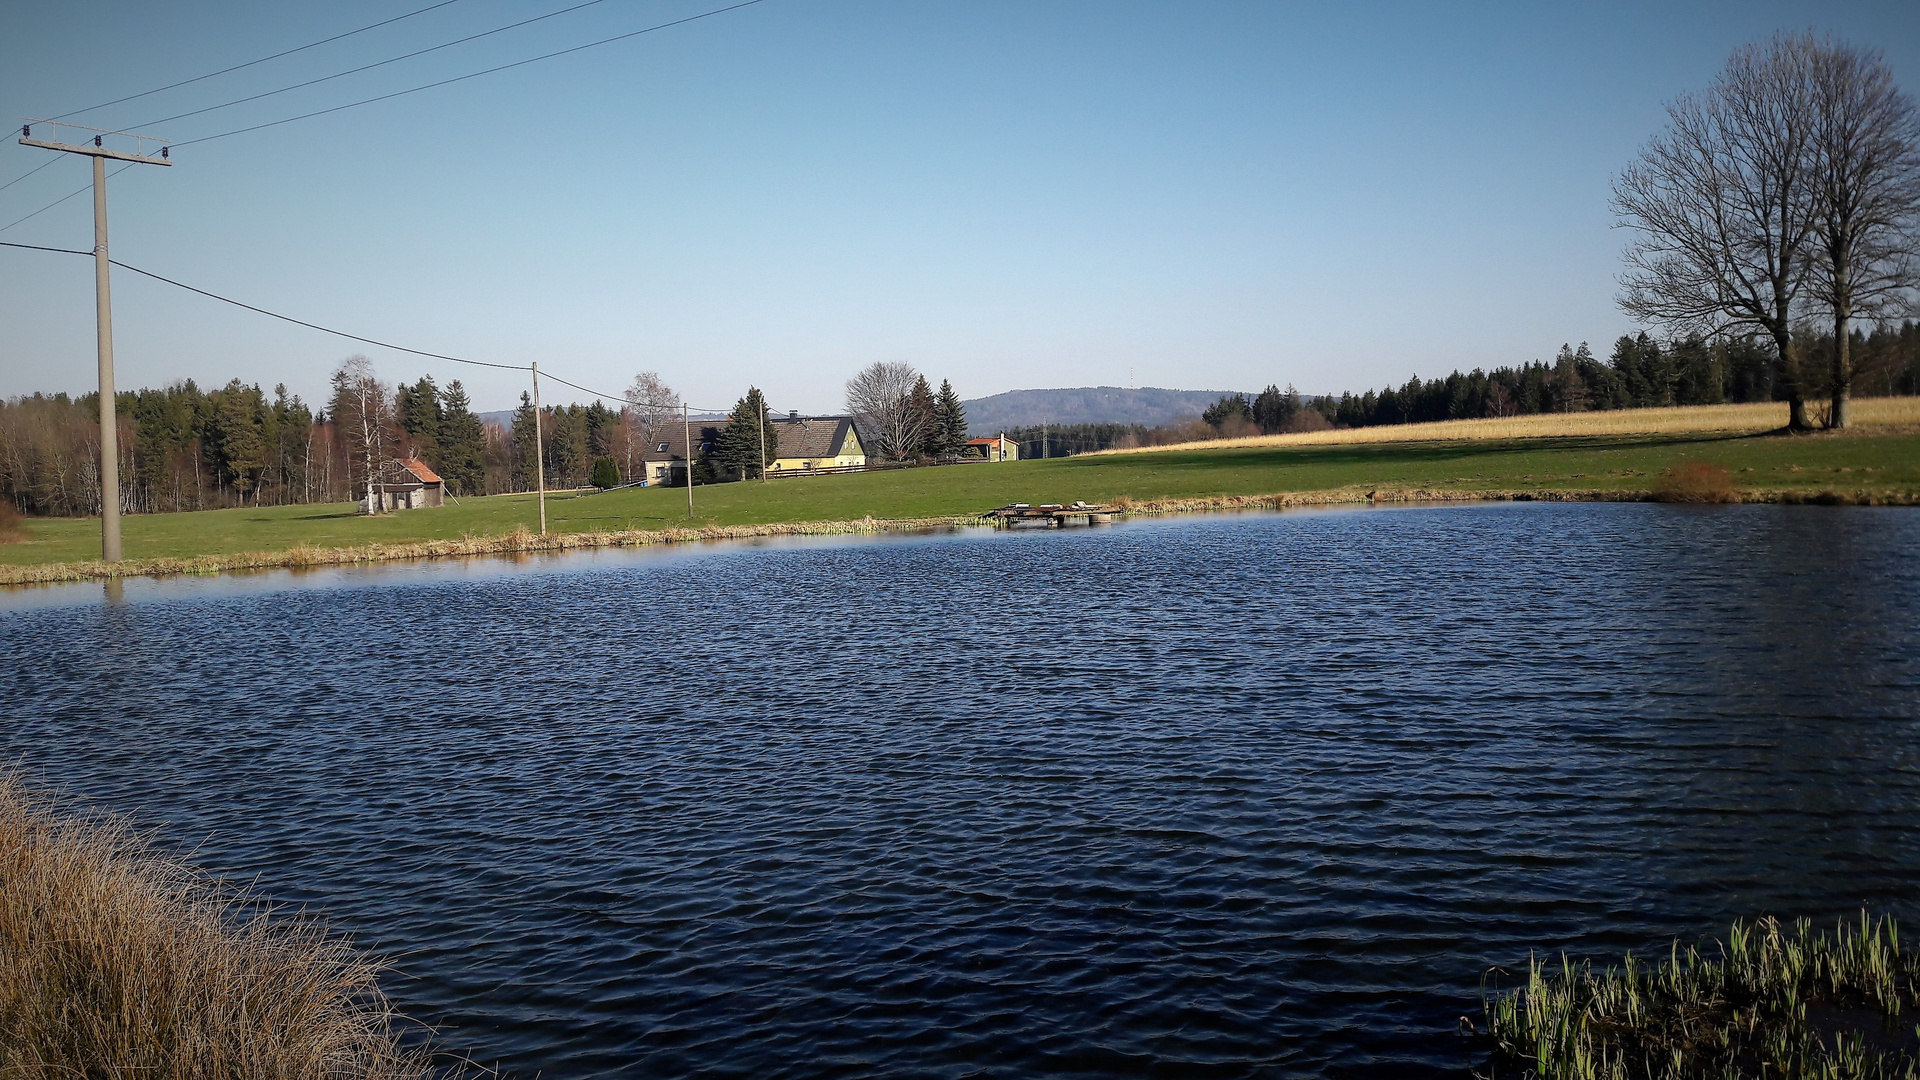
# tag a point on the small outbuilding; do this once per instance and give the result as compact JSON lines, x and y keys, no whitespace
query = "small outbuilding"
{"x":405,"y":484}
{"x":999,"y":448}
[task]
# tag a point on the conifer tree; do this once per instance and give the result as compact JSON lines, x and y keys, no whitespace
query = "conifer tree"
{"x":926,"y":413}
{"x":460,"y":457}
{"x":237,"y":442}
{"x":606,"y":473}
{"x":417,"y":407}
{"x":740,"y":441}
{"x":567,"y":456}
{"x":1275,"y":409}
{"x":952,"y":422}
{"x":524,"y":444}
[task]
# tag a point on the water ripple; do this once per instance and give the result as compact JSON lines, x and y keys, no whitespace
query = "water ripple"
{"x":1254,"y":796}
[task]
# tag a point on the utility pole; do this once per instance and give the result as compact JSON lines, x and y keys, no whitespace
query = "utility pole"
{"x":686,"y":427}
{"x":539,"y":449}
{"x":103,"y":307}
{"x":763,"y":438}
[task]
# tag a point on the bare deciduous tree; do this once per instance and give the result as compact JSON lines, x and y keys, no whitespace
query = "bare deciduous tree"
{"x":1723,"y":205}
{"x":882,"y":403}
{"x":362,"y":412}
{"x":645,"y":421}
{"x":1866,"y":150}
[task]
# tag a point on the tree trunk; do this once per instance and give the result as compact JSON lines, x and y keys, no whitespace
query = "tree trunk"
{"x":1842,"y":368}
{"x":1786,"y":369}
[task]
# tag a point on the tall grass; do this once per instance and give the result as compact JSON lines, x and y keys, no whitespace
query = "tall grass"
{"x":1695,"y":482}
{"x":1774,"y":1003}
{"x":117,"y":961}
{"x":1755,"y":417}
{"x":12,"y":529}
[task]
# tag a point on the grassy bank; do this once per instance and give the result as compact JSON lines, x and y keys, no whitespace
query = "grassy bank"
{"x":1768,"y":1002}
{"x":117,"y":961}
{"x":1872,"y":464}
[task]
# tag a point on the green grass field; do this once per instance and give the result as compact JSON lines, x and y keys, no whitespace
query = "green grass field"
{"x":1876,"y":462}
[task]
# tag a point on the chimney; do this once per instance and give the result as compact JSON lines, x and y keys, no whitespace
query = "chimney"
{"x":793,"y":415}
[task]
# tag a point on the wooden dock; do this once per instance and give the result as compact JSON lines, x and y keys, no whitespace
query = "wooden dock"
{"x":1052,"y":515}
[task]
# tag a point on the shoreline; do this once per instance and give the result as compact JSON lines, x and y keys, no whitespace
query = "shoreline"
{"x":524,"y":541}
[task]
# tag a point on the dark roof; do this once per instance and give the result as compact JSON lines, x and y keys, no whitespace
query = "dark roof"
{"x":674,"y":438}
{"x":812,"y":436}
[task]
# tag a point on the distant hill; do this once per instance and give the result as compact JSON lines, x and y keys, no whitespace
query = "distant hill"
{"x":1147,"y":405}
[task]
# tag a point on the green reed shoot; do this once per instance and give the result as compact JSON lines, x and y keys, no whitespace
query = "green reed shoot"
{"x":1769,"y":1002}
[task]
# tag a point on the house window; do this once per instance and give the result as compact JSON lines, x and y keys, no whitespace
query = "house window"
{"x":662,"y":448}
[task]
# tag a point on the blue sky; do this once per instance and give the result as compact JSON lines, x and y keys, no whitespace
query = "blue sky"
{"x":1196,"y":195}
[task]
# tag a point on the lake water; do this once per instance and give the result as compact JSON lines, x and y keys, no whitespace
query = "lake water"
{"x":1224,"y":796}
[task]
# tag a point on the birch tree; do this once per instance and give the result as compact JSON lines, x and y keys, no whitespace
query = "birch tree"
{"x":651,"y":407}
{"x":362,"y":414}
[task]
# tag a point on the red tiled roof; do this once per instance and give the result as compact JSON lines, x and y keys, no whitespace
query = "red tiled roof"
{"x":419,"y":469}
{"x":983,"y":442}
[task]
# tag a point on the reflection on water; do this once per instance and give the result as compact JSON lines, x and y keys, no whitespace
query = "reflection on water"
{"x":1250,"y":796}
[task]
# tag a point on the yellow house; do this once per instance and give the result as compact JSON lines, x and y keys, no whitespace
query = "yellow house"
{"x":811,"y":443}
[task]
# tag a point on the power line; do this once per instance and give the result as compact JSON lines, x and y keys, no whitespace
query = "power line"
{"x":275,"y":314}
{"x":28,"y":173}
{"x":354,"y":337}
{"x":476,"y":74}
{"x":370,"y":67}
{"x":628,"y":400}
{"x":262,"y":60}
{"x":63,"y":198}
{"x":414,"y":90}
{"x":317,"y":326}
{"x":38,"y":247}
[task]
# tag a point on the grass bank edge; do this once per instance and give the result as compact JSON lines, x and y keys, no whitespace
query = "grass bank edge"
{"x":522,"y":540}
{"x":117,"y":956}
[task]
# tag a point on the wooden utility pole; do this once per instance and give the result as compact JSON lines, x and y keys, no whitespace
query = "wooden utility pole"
{"x":763,"y":438}
{"x":103,"y":307}
{"x":539,"y":449}
{"x":686,"y":427}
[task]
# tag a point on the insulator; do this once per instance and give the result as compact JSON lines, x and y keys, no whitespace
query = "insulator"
{"x":163,"y":151}
{"x":26,"y":131}
{"x":96,"y":140}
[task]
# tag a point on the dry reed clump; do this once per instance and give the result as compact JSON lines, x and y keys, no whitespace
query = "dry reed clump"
{"x":1890,"y":412}
{"x":1773,"y":1004}
{"x":1695,"y":482}
{"x":116,"y":961}
{"x":13,"y":529}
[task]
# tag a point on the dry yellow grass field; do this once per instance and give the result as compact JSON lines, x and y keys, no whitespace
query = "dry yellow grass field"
{"x":116,"y":961}
{"x":1872,"y":413}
